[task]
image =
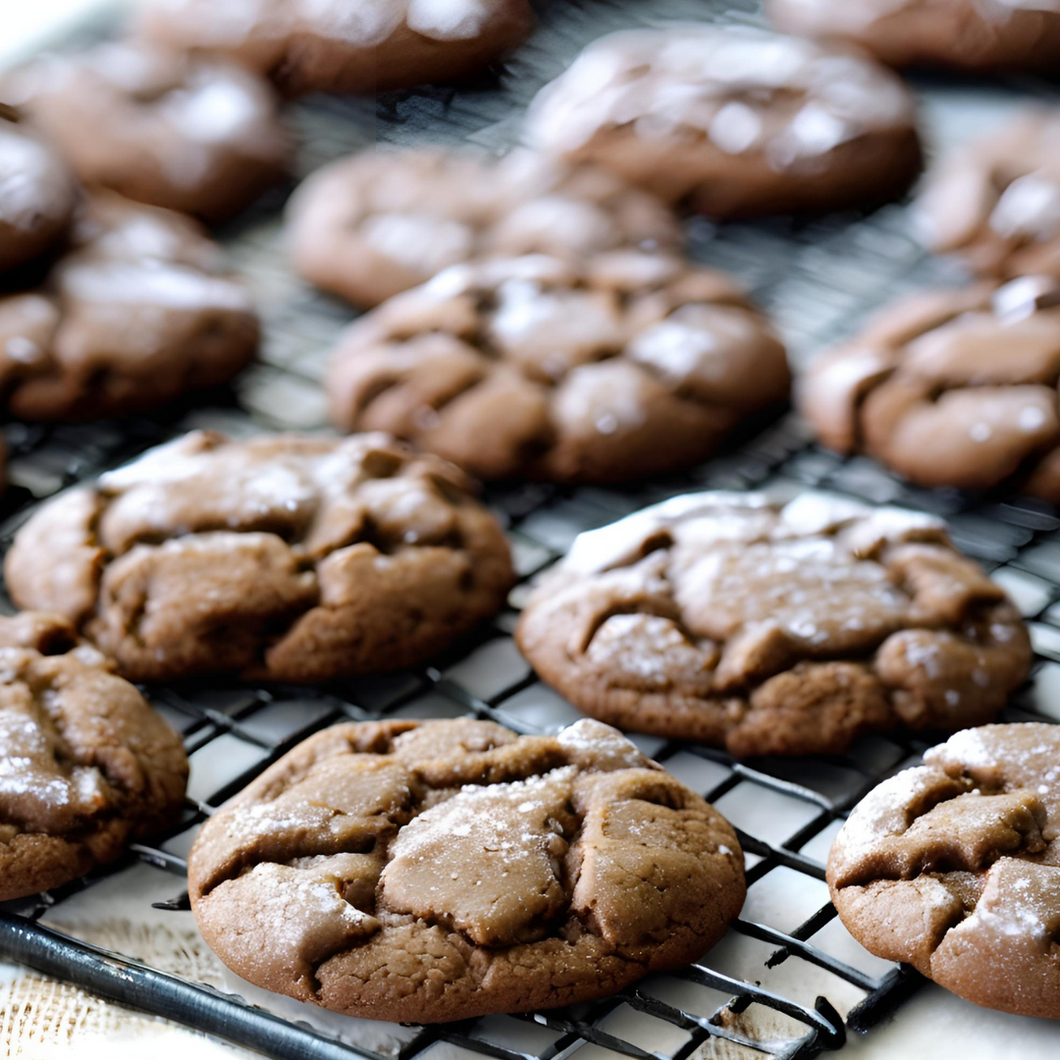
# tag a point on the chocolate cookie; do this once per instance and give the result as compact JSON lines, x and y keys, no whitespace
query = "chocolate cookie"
{"x":954,"y":867}
{"x":284,"y":558}
{"x":767,"y":629}
{"x":37,"y":194}
{"x":625,"y":366}
{"x":974,"y":35}
{"x":997,"y":201}
{"x":431,"y":872}
{"x":373,"y":225}
{"x":924,"y":390}
{"x":139,"y":310}
{"x":734,"y":122}
{"x":85,"y":763}
{"x":194,"y":136}
{"x":343,"y":45}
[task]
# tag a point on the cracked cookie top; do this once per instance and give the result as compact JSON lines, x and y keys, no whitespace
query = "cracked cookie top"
{"x":85,"y":763}
{"x":771,"y":628}
{"x":924,"y":389}
{"x":434,"y":871}
{"x":625,"y":365}
{"x":954,"y":867}
{"x":283,"y":557}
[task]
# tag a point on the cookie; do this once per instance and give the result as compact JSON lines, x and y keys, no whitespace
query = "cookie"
{"x":139,"y":310}
{"x":433,"y":871}
{"x":977,"y":36}
{"x":996,"y":202}
{"x":733,"y":122}
{"x":375,"y":224}
{"x":734,"y":620}
{"x":624,"y":366}
{"x":199,"y":137}
{"x":37,"y":195}
{"x":924,"y":390}
{"x":343,"y":46}
{"x":954,"y":867}
{"x":282,"y":558}
{"x":85,"y":764}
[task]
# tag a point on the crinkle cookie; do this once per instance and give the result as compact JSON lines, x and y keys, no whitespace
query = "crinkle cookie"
{"x":625,"y":366}
{"x":37,"y":194}
{"x":139,"y":310}
{"x":433,"y":871}
{"x":375,"y":224}
{"x":954,"y":867}
{"x":764,"y":628}
{"x":951,"y":388}
{"x":199,"y":137}
{"x":285,"y":558}
{"x":733,"y":122}
{"x":973,"y":35}
{"x":343,"y":45}
{"x":85,"y":764}
{"x":996,"y":202}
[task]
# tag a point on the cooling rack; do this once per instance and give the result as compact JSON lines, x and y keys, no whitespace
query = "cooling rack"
{"x":787,"y":980}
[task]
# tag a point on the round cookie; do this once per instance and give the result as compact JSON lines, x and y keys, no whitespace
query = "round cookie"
{"x":733,"y":620}
{"x":733,"y":122}
{"x":429,"y":872}
{"x":138,"y":311}
{"x":624,"y":366}
{"x":85,"y":764}
{"x":343,"y":45}
{"x":954,"y":867}
{"x":375,"y":224}
{"x":37,"y":195}
{"x":951,"y":388}
{"x":199,"y":137}
{"x":977,"y":36}
{"x":281,"y":558}
{"x":996,"y":202}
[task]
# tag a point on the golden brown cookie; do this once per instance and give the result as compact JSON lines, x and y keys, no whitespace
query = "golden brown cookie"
{"x":85,"y":763}
{"x":763,"y":628}
{"x":284,"y":557}
{"x":954,"y":867}
{"x":433,"y":871}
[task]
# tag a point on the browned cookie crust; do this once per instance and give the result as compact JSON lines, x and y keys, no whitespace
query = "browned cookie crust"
{"x":138,"y":311}
{"x":344,"y":45}
{"x":624,"y":366}
{"x":996,"y":202}
{"x":768,"y":629}
{"x":974,"y":35}
{"x":194,"y":136}
{"x":954,"y":867}
{"x":951,"y":388}
{"x":283,"y":557}
{"x":85,"y":763}
{"x":736,"y":123}
{"x":373,"y":225}
{"x":430,"y":872}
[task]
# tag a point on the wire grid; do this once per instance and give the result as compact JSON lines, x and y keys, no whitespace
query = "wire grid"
{"x":787,"y":980}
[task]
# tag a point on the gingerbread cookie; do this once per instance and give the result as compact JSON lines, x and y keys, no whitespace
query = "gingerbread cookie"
{"x":194,"y":136}
{"x":764,"y":628}
{"x":435,"y":871}
{"x":85,"y":763}
{"x":284,"y":558}
{"x":138,"y":311}
{"x":373,"y":225}
{"x":924,"y":390}
{"x":954,"y":867}
{"x":733,"y":122}
{"x":624,"y":366}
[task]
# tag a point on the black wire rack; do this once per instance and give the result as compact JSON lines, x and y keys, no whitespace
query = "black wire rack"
{"x":787,"y":981}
